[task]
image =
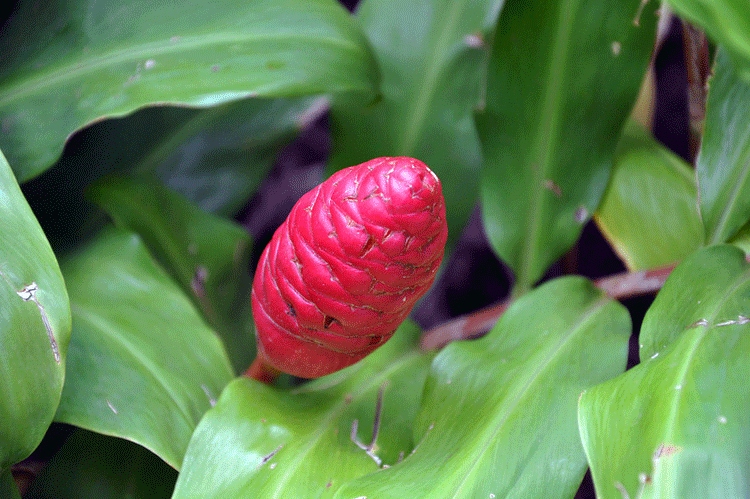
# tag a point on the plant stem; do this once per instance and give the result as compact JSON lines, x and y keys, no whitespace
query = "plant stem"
{"x":475,"y":324}
{"x":260,"y":371}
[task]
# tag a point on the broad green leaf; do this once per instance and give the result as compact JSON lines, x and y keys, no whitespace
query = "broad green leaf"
{"x":93,"y":466}
{"x":431,"y":54}
{"x":723,"y":163}
{"x":556,"y":101}
{"x":726,"y":21}
{"x":68,"y":63}
{"x":649,"y":212}
{"x":705,"y":277}
{"x":142,"y":364}
{"x":266,"y":442}
{"x":209,"y":256}
{"x":34,"y":326}
{"x":215,"y":157}
{"x":498,"y":416}
{"x":675,"y":426}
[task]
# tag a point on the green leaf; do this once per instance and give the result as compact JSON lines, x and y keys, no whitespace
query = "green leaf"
{"x":432,"y":54}
{"x":649,"y":211}
{"x":723,"y":163}
{"x":676,"y":424}
{"x":265,"y":442}
{"x":215,"y":157}
{"x":498,"y":416}
{"x":68,"y":63}
{"x":726,"y":21}
{"x":93,"y":466}
{"x":742,"y":239}
{"x":556,"y":101}
{"x":34,"y":326}
{"x":209,"y":256}
{"x":8,"y":487}
{"x":142,"y":364}
{"x":705,"y":277}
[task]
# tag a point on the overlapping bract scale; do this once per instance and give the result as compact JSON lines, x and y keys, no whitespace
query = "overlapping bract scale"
{"x":347,"y":266}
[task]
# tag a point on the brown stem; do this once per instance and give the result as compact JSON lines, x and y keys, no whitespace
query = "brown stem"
{"x":617,"y":286}
{"x":260,"y":371}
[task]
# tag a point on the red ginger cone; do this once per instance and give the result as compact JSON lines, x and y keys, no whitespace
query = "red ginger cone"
{"x":347,"y":266}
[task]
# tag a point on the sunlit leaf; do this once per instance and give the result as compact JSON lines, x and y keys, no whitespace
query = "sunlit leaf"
{"x":142,"y":364}
{"x":675,"y":426}
{"x":557,"y":98}
{"x":498,"y":416}
{"x":209,"y":256}
{"x":34,"y":326}
{"x":67,"y":63}
{"x":649,"y":212}
{"x":266,"y":442}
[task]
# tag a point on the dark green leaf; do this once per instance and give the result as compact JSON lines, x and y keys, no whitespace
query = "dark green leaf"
{"x":209,"y":256}
{"x":649,"y":213}
{"x":93,"y":466}
{"x":558,"y":94}
{"x":498,"y":416}
{"x":723,"y":164}
{"x":727,"y":21}
{"x":215,"y":157}
{"x":70,"y":62}
{"x":34,"y":326}
{"x":142,"y":364}
{"x":264,"y":442}
{"x":218,"y":157}
{"x":675,"y":426}
{"x":432,"y":54}
{"x":8,"y":487}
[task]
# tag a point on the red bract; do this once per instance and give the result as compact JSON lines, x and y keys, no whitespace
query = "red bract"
{"x":347,"y":266}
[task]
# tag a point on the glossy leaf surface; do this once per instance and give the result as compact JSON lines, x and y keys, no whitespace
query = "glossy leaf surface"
{"x":71,"y":62}
{"x":498,"y":417}
{"x":266,"y":442}
{"x":142,"y":364}
{"x":649,"y":213}
{"x":209,"y":256}
{"x":93,"y":466}
{"x":552,"y":121}
{"x":723,"y":164}
{"x":726,"y":21}
{"x":431,"y":54}
{"x":678,"y":420}
{"x":34,"y":326}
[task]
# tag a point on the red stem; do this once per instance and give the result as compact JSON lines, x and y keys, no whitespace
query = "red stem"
{"x":617,"y":286}
{"x":260,"y":371}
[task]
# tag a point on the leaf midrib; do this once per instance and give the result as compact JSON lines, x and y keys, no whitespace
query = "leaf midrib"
{"x":497,"y":424}
{"x":420,"y":107}
{"x":545,"y":140}
{"x":334,"y":414}
{"x":77,"y":69}
{"x":735,"y":190}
